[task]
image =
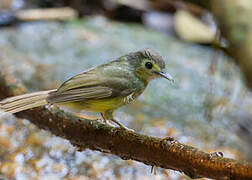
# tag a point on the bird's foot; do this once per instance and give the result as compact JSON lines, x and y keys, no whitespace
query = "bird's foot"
{"x":108,"y":123}
{"x":109,"y":116}
{"x":122,"y":126}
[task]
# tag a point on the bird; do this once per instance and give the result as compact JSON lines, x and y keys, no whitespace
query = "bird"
{"x":101,"y":89}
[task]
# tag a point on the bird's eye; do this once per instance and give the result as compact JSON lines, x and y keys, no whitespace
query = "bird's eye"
{"x":148,"y":65}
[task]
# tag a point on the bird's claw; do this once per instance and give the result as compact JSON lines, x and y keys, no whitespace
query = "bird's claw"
{"x":127,"y":129}
{"x":122,"y":126}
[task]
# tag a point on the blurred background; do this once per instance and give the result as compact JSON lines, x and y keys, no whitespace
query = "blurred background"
{"x":46,"y":42}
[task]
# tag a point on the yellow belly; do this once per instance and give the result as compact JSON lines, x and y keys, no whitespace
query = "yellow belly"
{"x":98,"y":105}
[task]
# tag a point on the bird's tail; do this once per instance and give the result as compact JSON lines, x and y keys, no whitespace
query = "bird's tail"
{"x":23,"y":102}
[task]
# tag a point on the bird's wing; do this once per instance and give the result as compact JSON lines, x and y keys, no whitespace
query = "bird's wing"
{"x":90,"y":85}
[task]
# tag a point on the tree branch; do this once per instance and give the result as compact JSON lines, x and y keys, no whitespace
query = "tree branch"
{"x":166,"y":153}
{"x":234,"y":20}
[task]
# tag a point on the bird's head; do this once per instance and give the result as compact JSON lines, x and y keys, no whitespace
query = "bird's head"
{"x":149,"y":65}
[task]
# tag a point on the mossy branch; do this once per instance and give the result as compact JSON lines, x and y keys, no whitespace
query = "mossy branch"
{"x":166,"y":153}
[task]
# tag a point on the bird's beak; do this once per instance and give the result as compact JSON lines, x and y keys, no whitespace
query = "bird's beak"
{"x":166,"y":76}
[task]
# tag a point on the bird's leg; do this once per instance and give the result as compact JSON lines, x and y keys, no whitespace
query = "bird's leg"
{"x":108,"y":115}
{"x":106,"y":120}
{"x":121,"y":125}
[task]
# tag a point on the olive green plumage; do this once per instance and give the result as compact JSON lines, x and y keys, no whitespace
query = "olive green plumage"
{"x":100,"y":89}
